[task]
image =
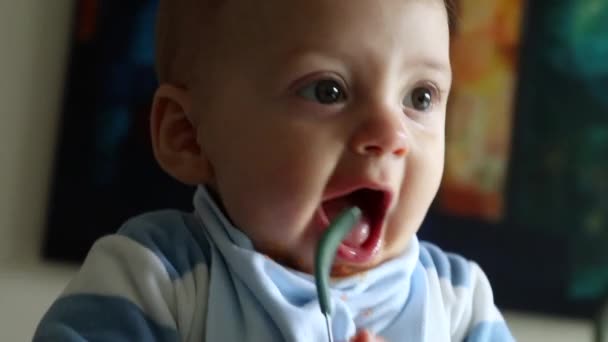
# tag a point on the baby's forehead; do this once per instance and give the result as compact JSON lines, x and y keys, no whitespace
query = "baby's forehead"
{"x":189,"y":27}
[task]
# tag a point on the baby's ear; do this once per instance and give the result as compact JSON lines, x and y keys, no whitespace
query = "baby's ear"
{"x":174,"y":137}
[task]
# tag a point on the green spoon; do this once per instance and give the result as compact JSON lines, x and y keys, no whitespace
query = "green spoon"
{"x":324,"y":258}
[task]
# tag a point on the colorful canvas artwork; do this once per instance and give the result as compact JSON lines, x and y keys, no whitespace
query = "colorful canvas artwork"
{"x":560,"y":183}
{"x":104,"y":168}
{"x":526,"y":182}
{"x":485,"y":51}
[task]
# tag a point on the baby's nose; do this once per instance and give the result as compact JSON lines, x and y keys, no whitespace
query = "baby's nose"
{"x":382,"y":133}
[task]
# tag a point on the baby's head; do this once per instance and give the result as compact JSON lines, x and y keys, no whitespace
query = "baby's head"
{"x":291,"y":111}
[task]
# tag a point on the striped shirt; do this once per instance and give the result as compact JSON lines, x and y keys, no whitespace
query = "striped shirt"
{"x":174,"y":276}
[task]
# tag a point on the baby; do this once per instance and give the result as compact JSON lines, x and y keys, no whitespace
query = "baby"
{"x":284,"y":113}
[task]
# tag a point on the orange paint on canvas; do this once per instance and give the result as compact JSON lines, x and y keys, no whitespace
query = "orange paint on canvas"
{"x":484,"y":52}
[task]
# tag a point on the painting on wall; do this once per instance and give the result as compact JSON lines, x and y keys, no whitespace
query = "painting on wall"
{"x":525,"y":192}
{"x":104,"y":168}
{"x":560,"y":184}
{"x":484,"y":50}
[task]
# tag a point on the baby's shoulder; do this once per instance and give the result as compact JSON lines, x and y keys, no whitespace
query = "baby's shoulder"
{"x":176,"y":238}
{"x":459,"y":288}
{"x":450,"y":267}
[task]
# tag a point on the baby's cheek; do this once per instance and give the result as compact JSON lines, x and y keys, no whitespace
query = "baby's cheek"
{"x":400,"y":228}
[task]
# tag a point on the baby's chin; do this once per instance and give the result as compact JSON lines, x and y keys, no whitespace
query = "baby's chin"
{"x":345,"y":270}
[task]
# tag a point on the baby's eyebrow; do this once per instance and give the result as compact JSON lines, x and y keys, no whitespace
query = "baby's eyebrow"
{"x":430,"y":63}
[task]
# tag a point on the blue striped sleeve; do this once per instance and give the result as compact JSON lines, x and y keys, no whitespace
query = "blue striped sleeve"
{"x":466,"y":297}
{"x":100,"y":318}
{"x":485,"y":322}
{"x":448,"y":266}
{"x":137,"y":285}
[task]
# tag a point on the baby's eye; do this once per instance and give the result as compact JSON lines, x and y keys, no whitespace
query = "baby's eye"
{"x":420,"y":99}
{"x":326,"y":92}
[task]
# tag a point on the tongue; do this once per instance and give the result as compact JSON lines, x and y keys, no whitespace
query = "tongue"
{"x":360,"y":233}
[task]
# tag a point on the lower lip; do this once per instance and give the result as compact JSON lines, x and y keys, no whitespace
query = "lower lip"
{"x":362,"y":254}
{"x":356,"y":255}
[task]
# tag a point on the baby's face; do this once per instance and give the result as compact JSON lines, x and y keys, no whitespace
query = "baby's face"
{"x":317,"y":105}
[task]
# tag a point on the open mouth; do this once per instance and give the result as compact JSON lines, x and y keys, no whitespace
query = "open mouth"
{"x":364,"y":241}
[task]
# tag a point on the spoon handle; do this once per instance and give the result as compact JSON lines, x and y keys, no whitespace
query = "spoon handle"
{"x":326,"y":252}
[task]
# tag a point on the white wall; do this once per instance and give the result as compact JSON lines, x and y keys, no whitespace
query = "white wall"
{"x":33,"y":38}
{"x":33,"y":45}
